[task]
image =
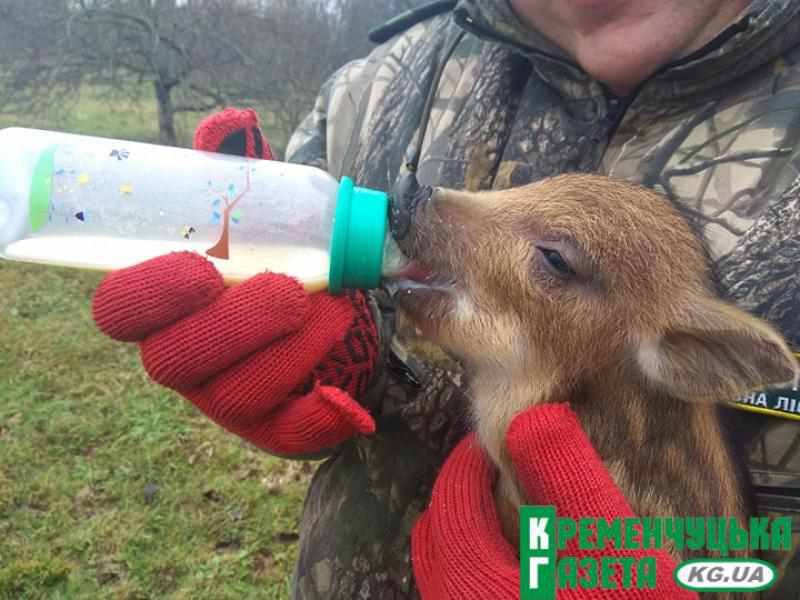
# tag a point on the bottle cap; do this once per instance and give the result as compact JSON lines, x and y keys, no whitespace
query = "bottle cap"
{"x":359,"y":236}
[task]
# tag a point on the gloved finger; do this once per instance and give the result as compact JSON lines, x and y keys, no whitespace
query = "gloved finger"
{"x":466,"y":529}
{"x":233,"y":131}
{"x":556,"y":463}
{"x":243,"y":319}
{"x":130,"y":304}
{"x":263,"y":353}
{"x":424,"y":560}
{"x":320,"y":420}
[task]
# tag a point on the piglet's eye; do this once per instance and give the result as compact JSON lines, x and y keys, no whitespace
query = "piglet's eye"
{"x":555,"y":262}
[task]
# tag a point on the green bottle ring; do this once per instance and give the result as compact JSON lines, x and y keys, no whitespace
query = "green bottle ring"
{"x":359,"y":236}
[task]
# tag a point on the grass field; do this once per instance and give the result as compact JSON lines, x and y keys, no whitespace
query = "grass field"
{"x":111,"y":487}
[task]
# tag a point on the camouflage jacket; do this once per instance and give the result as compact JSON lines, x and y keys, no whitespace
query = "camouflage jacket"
{"x":716,"y":132}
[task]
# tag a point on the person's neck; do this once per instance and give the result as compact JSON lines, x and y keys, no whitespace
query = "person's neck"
{"x":728,"y":14}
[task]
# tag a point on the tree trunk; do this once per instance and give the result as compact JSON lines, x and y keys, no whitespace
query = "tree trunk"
{"x":222,"y":248}
{"x":166,"y":115}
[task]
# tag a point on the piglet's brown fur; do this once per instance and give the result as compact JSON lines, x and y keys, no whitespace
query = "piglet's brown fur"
{"x":595,"y":291}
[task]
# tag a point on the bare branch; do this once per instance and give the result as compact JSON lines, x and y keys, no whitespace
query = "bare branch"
{"x":194,"y":56}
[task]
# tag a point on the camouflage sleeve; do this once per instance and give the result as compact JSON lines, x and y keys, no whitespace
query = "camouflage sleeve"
{"x":760,"y":274}
{"x":321,"y":141}
{"x":307,"y":144}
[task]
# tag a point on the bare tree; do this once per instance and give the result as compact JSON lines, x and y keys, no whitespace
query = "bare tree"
{"x":303,"y":42}
{"x":195,"y":55}
{"x":31,"y":44}
{"x":180,"y":49}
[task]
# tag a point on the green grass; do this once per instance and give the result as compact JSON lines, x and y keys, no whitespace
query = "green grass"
{"x":107,"y":116}
{"x":125,"y":118}
{"x":110,"y":486}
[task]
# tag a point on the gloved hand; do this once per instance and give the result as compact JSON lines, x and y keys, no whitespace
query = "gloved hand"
{"x":457,"y":548}
{"x":233,"y":131}
{"x":264,"y":359}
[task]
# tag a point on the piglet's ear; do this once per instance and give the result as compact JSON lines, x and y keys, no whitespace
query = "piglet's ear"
{"x":714,"y":351}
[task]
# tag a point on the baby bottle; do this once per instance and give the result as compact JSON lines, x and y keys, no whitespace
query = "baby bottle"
{"x":104,"y":204}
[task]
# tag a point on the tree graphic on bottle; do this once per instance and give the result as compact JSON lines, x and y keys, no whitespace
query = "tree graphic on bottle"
{"x":222,"y":248}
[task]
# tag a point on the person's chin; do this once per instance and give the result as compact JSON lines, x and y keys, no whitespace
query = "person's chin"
{"x":614,"y":63}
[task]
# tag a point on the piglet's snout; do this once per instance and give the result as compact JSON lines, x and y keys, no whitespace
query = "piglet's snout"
{"x":404,"y":218}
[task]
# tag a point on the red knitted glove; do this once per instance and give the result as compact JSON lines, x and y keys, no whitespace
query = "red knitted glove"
{"x":264,"y":359}
{"x":457,"y":548}
{"x":233,"y":131}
